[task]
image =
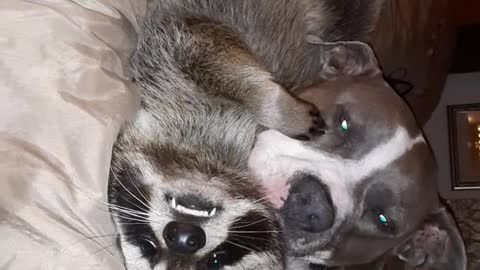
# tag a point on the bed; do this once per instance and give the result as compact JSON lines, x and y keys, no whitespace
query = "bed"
{"x":64,"y":93}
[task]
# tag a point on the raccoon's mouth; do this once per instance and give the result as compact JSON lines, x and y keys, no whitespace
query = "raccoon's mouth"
{"x":192,"y":206}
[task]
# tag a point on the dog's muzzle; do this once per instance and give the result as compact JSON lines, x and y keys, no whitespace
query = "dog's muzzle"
{"x":308,"y":207}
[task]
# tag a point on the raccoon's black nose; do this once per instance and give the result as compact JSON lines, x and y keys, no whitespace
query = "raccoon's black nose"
{"x":184,"y":238}
{"x":309,"y":206}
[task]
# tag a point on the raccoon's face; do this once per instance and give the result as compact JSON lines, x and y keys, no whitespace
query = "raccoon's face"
{"x":181,"y":216}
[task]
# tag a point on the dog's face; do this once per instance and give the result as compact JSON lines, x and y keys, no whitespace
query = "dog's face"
{"x":174,"y":210}
{"x":364,"y":189}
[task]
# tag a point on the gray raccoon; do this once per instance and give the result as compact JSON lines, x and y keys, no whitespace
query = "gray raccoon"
{"x":211,"y":73}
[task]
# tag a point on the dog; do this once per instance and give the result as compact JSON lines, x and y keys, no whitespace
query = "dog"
{"x":366,"y":189}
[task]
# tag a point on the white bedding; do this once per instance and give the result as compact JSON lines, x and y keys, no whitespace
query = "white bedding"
{"x":64,"y":92}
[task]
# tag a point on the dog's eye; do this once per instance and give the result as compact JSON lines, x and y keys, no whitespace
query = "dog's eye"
{"x":216,"y":260}
{"x":344,"y":125}
{"x":149,"y":247}
{"x":383,"y":220}
{"x":343,"y":120}
{"x":384,"y":223}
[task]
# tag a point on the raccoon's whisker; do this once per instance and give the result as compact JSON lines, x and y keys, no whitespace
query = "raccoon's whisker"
{"x":134,"y":204}
{"x":241,"y":242}
{"x":104,"y":248}
{"x":226,"y":224}
{"x":247,"y":240}
{"x":260,"y":199}
{"x":264,"y":198}
{"x":134,"y":213}
{"x":151,"y":209}
{"x":246,"y":247}
{"x":241,"y":265}
{"x":133,"y":219}
{"x":91,"y":238}
{"x":94,"y":239}
{"x":116,"y":206}
{"x":249,"y":224}
{"x":134,"y":223}
{"x":117,"y":260}
{"x":129,"y":192}
{"x":154,"y":210}
{"x":247,"y":237}
{"x":247,"y":232}
{"x":90,"y":196}
{"x":240,"y":246}
{"x":139,"y":219}
{"x":107,"y":204}
{"x":249,"y":245}
{"x":127,"y":213}
{"x":266,"y":253}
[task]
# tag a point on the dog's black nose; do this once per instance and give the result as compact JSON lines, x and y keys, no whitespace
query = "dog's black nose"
{"x":184,"y":238}
{"x":309,"y":206}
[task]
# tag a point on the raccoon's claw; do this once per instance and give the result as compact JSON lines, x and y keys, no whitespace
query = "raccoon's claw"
{"x":316,"y":129}
{"x":295,"y":118}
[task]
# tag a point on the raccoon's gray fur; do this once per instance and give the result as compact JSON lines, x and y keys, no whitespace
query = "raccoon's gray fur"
{"x":210,"y":72}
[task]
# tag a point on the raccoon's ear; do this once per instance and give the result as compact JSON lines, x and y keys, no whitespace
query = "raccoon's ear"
{"x":436,"y":245}
{"x":347,"y":58}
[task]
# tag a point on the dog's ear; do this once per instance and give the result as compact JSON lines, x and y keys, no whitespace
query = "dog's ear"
{"x":436,"y":245}
{"x":347,"y":58}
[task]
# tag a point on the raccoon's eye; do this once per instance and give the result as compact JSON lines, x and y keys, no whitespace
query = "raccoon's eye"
{"x":148,"y":246}
{"x":216,"y":260}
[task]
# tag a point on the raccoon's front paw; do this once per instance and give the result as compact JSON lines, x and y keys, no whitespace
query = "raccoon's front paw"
{"x":302,"y":121}
{"x":312,"y":124}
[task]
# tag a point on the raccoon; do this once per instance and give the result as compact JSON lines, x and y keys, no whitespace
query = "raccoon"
{"x":211,"y":75}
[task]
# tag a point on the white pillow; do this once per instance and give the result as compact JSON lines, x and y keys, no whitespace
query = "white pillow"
{"x":64,"y":93}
